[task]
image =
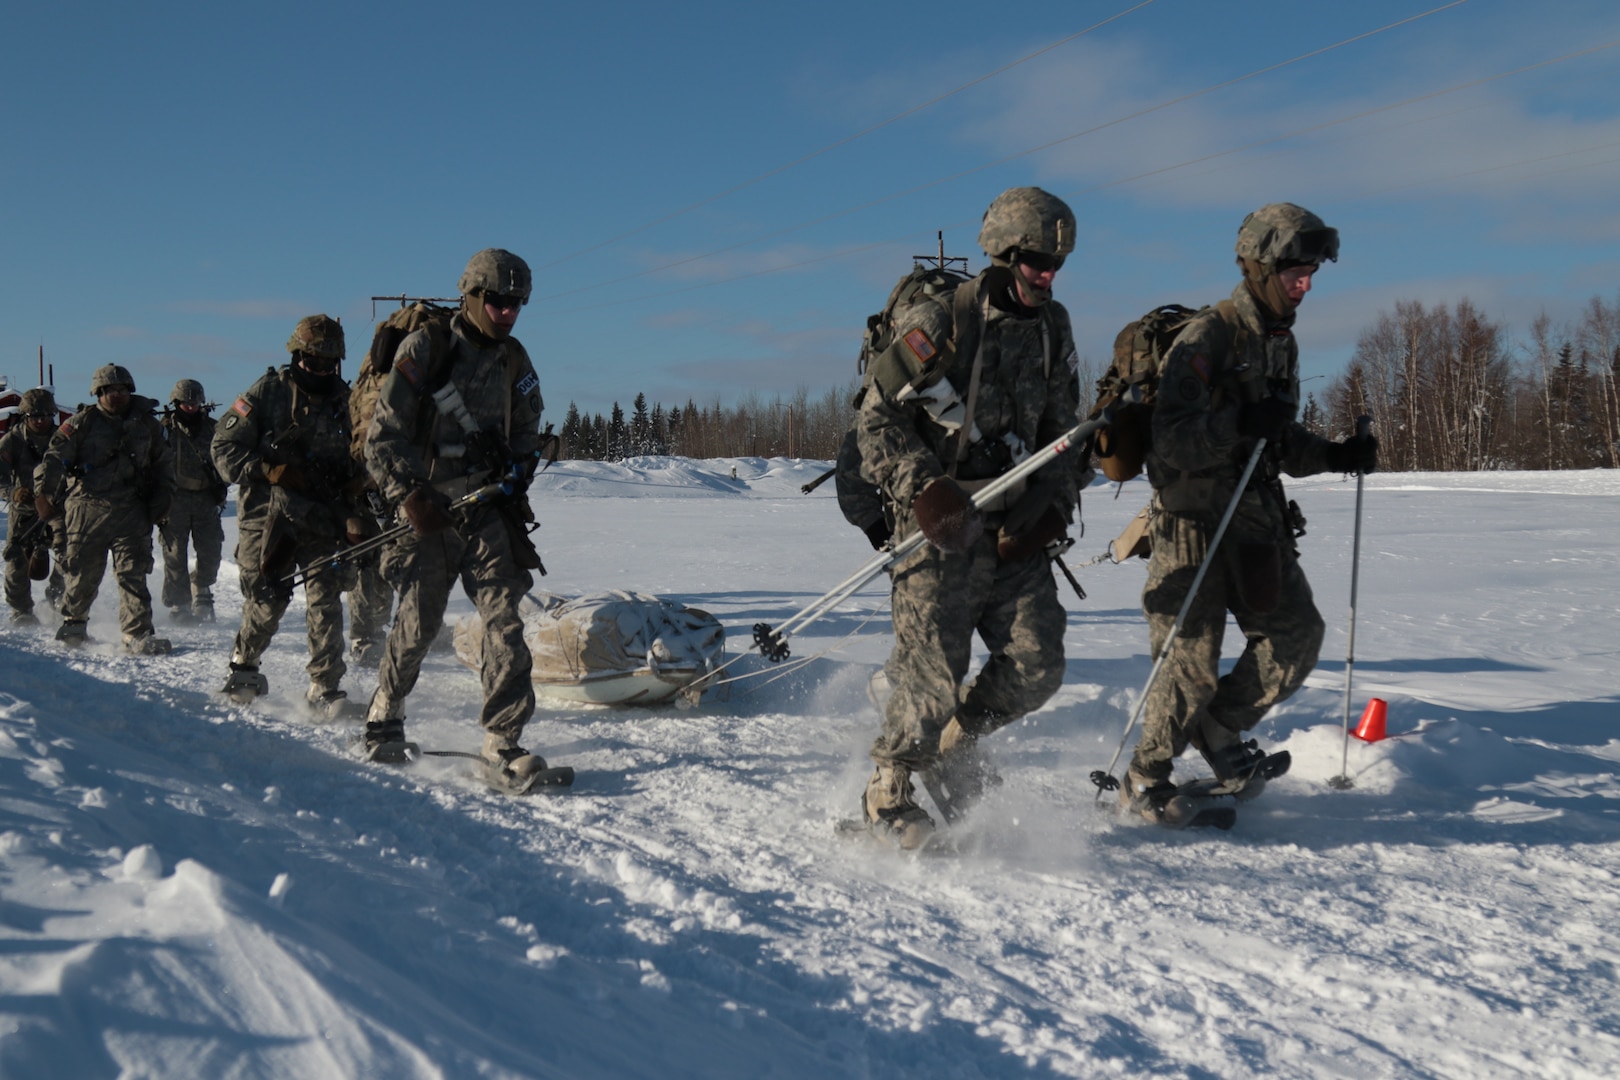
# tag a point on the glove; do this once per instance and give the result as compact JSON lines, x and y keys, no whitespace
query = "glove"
{"x":287,"y":476}
{"x":428,"y":511}
{"x":947,"y":517}
{"x":47,"y":510}
{"x":354,"y":530}
{"x":1032,"y":523}
{"x":1357,"y":454}
{"x":158,"y":511}
{"x":878,"y":533}
{"x":1266,"y":419}
{"x":22,"y":496}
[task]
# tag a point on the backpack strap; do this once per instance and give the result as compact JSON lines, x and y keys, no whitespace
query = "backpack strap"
{"x":967,"y":314}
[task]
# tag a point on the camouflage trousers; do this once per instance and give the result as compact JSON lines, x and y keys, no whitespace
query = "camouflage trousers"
{"x":371,"y":598}
{"x":938,"y":602}
{"x":265,"y":600}
{"x":424,"y":569}
{"x":1257,"y":578}
{"x":19,"y":587}
{"x":193,"y":522}
{"x":94,"y":529}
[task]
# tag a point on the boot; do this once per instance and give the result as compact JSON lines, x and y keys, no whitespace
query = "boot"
{"x":72,"y":633}
{"x":53,"y":594}
{"x":365,"y":652}
{"x":507,"y":766}
{"x":244,"y":683}
{"x":202,"y":609}
{"x":182,"y":616}
{"x":961,"y":776}
{"x":146,"y":645}
{"x":1144,"y":794}
{"x":24,"y":618}
{"x":1242,"y":767}
{"x":888,"y":805}
{"x":384,"y":742}
{"x":326,"y":705}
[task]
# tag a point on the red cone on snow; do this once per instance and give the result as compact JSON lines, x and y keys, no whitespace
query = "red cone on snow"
{"x":1371,"y":728}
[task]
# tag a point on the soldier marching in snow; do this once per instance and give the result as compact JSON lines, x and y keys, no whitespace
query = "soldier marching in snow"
{"x":285,"y":444}
{"x":460,"y":407}
{"x":1230,"y":379}
{"x":30,"y":542}
{"x":119,"y":478}
{"x":199,"y":499}
{"x":969,"y":384}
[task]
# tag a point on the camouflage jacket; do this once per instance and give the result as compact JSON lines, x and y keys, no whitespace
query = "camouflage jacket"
{"x":859,"y":500}
{"x":20,"y":454}
{"x":118,"y":460}
{"x":1027,"y":389}
{"x":411,"y":443}
{"x":193,"y":455}
{"x":276,"y":423}
{"x":1216,"y":366}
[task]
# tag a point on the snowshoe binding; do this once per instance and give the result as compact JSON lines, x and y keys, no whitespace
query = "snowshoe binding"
{"x":72,"y":633}
{"x":327,"y":706}
{"x":962,"y":777}
{"x":512,"y":770}
{"x":244,"y":683}
{"x":1240,"y":766}
{"x":890,"y":811}
{"x":384,"y":742}
{"x":1159,"y":802}
{"x":147,"y":645}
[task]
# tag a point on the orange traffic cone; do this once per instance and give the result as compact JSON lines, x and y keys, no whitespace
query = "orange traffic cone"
{"x":1371,"y":728}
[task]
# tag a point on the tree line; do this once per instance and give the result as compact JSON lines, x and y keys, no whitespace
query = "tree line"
{"x":1449,"y":389}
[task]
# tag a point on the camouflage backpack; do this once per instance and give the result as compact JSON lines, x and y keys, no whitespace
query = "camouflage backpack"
{"x":1139,"y":353}
{"x":380,"y":360}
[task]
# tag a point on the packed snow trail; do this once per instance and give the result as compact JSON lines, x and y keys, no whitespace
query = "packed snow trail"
{"x":192,"y":888}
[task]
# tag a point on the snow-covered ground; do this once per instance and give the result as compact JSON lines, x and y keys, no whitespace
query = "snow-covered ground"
{"x":189,"y":889}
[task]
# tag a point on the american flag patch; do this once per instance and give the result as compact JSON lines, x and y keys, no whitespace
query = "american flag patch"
{"x":917,"y":341}
{"x":66,"y":428}
{"x":1200,"y":365}
{"x":406,"y":367}
{"x":242,"y":408}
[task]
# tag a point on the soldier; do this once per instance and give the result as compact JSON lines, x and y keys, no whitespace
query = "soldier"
{"x":30,"y":542}
{"x":199,"y":499}
{"x":459,"y":406}
{"x":120,"y":478}
{"x":1230,"y":378}
{"x":968,"y":384}
{"x":285,"y":444}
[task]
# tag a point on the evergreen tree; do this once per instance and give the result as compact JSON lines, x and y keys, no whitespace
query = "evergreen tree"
{"x":617,"y":435}
{"x":571,"y":433}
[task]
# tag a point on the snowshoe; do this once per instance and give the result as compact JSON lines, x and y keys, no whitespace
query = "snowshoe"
{"x":963,"y":775}
{"x":1241,"y":766}
{"x":202,"y":611}
{"x":244,"y":683}
{"x":182,"y":616}
{"x":512,"y":770}
{"x":72,"y":633}
{"x":365,"y":653}
{"x":384,"y":742}
{"x":889,"y":808}
{"x":24,"y":618}
{"x":1159,"y":802}
{"x":327,"y":706}
{"x":147,"y":645}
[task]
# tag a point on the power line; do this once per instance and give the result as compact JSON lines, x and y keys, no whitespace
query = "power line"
{"x":1001,"y":161}
{"x":845,"y":141}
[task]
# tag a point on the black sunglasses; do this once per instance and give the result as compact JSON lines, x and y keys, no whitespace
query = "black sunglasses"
{"x":500,"y":301}
{"x":1039,"y":262}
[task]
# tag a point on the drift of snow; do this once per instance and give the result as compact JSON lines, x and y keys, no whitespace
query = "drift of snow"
{"x":189,"y":888}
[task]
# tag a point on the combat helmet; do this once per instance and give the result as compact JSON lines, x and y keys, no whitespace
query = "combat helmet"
{"x":188,"y":392}
{"x":111,"y":375}
{"x":316,"y":335}
{"x":38,"y":402}
{"x":1281,"y":235}
{"x":1027,"y":219}
{"x":496,"y":270}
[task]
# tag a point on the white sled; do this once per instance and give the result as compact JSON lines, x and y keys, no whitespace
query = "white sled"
{"x":612,"y":648}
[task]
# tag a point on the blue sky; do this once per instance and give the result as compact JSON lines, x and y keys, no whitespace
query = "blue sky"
{"x":181,"y":182}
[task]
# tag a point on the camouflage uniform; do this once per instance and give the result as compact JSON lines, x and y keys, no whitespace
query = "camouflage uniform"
{"x":21,"y":451}
{"x":1232,"y":356}
{"x":122,"y":478}
{"x":287,"y":450}
{"x":859,"y":500}
{"x":1027,"y":389}
{"x":194,"y":517}
{"x":410,"y":445}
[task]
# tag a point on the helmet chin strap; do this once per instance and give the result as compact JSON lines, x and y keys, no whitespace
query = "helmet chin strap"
{"x":478,"y":315}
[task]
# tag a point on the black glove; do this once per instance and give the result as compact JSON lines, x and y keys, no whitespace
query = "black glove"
{"x":1357,"y":454}
{"x":947,"y":517}
{"x":878,"y":533}
{"x":1266,"y":419}
{"x":428,"y":511}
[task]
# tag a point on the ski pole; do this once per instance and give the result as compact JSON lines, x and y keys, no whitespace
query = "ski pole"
{"x":1104,"y":778}
{"x":1342,"y":782}
{"x":487,"y":493}
{"x":818,"y":481}
{"x":772,"y":641}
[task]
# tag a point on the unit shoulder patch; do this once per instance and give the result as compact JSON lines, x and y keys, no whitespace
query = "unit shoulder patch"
{"x":922,"y":348}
